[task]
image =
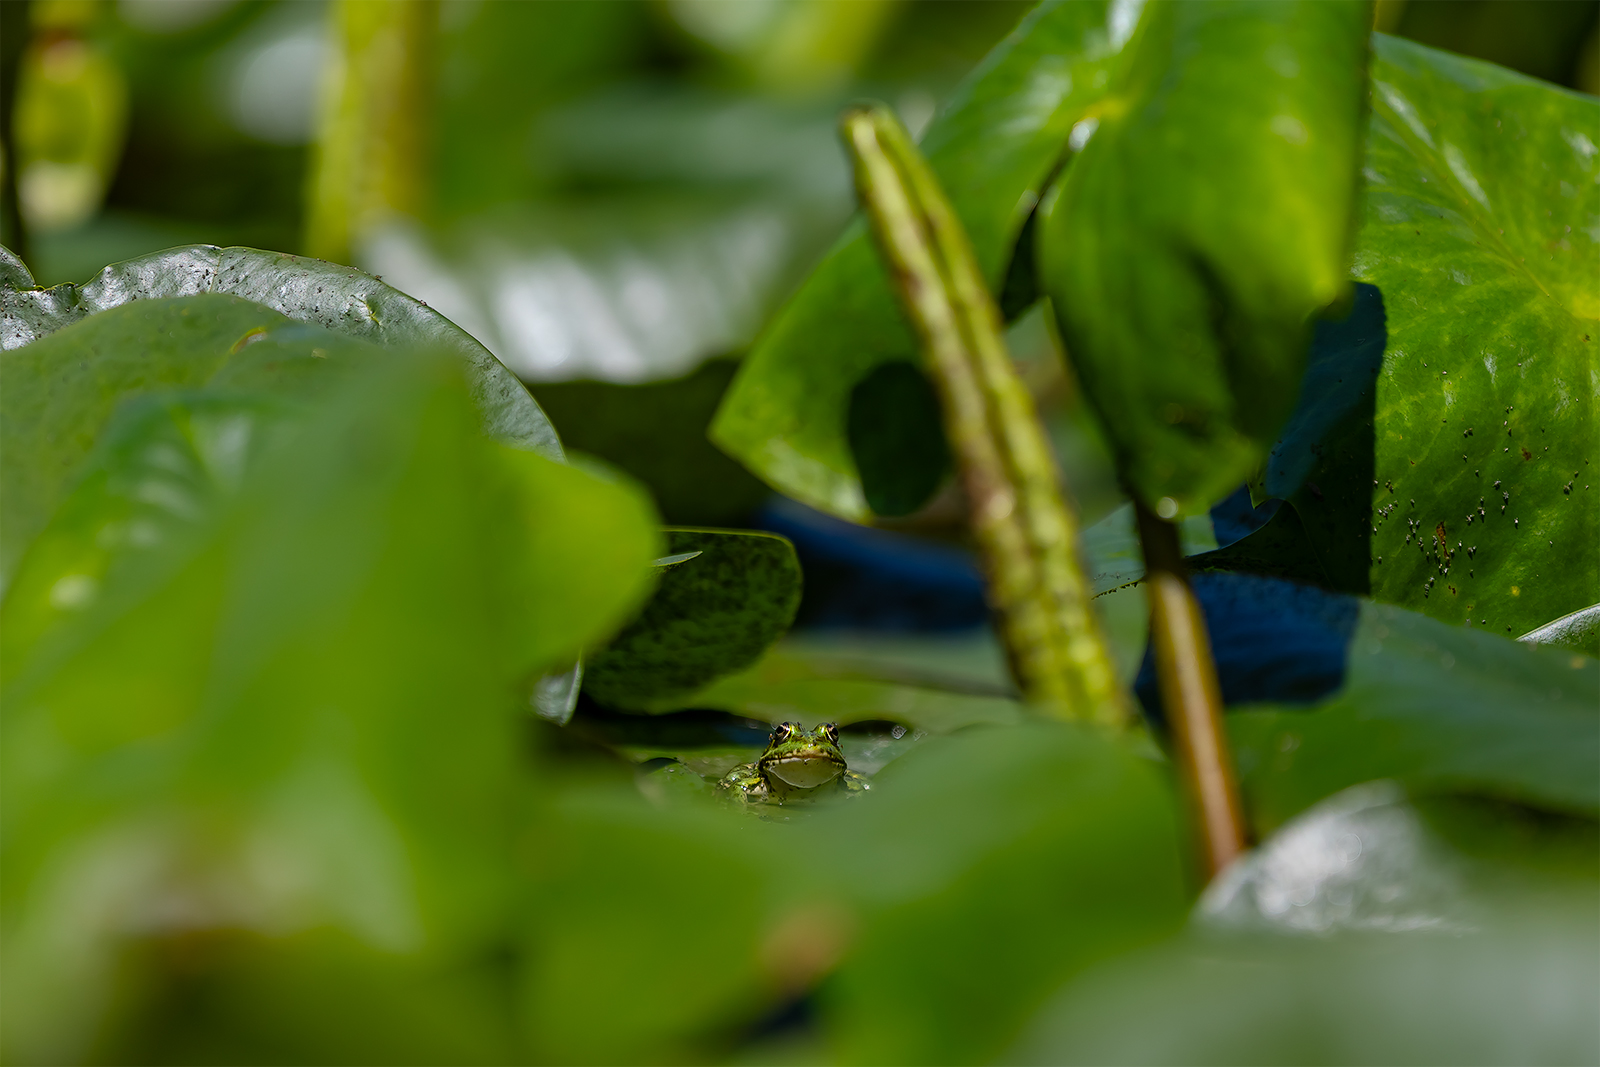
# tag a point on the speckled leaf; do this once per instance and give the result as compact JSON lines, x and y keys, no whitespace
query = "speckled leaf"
{"x":1440,"y":708}
{"x":1467,"y":486}
{"x":177,"y":318}
{"x":714,"y":613}
{"x":993,"y":148}
{"x":1205,"y":223}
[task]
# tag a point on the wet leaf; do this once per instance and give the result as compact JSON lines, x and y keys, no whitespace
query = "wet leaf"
{"x":181,"y":318}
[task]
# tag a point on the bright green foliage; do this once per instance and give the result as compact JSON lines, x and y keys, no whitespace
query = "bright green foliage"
{"x":1440,"y":708}
{"x":1205,"y":223}
{"x":1469,"y":486}
{"x":166,"y":464}
{"x":993,"y":149}
{"x":302,"y":719}
{"x":60,"y":390}
{"x":712,"y":614}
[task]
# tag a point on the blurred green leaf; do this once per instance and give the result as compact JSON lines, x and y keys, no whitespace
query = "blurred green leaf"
{"x":644,"y":934}
{"x":713,"y":613}
{"x":1389,"y":947}
{"x":178,"y":318}
{"x":987,"y":866}
{"x":993,"y":149}
{"x":1478,"y":448}
{"x":308,"y":719}
{"x":1439,"y":708}
{"x":1206,"y":221}
{"x":166,"y":464}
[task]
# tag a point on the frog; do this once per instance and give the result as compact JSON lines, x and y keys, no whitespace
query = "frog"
{"x":796,"y":766}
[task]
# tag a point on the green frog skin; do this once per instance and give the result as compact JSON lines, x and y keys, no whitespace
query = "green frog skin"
{"x":796,"y":766}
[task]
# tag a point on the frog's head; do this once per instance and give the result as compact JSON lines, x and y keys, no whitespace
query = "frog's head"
{"x":803,"y":760}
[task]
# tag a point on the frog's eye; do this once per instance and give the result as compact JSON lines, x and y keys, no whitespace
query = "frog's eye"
{"x":831,"y":732}
{"x":784,"y":731}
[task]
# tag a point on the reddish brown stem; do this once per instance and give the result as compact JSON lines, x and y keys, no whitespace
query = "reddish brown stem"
{"x":1187,"y":676}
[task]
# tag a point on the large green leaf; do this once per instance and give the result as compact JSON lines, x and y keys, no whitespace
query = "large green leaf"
{"x":166,"y":464}
{"x":1440,"y":708}
{"x":986,"y":866}
{"x":181,"y":318}
{"x":1204,"y":224}
{"x":326,"y":668}
{"x":993,"y":148}
{"x":1476,"y":447}
{"x":726,"y":596}
{"x":981,"y":870}
{"x":1515,"y":983}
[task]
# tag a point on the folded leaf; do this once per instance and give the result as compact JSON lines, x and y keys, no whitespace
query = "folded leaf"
{"x":993,"y":149}
{"x":1206,"y":222}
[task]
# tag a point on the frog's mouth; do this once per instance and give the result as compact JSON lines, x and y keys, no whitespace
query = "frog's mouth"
{"x":805,"y":772}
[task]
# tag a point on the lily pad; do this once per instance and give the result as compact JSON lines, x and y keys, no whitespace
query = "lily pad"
{"x":1465,"y":483}
{"x":715,"y":612}
{"x":183,"y":318}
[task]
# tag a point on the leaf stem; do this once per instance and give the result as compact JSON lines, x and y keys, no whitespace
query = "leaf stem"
{"x":369,"y":159}
{"x":1026,"y":532}
{"x":1187,"y":676}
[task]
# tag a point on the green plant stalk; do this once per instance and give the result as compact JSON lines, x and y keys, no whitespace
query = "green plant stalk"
{"x":1026,"y":533}
{"x":369,"y":160}
{"x":1187,"y":677}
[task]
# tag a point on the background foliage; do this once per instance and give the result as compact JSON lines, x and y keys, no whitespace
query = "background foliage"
{"x":295,"y":760}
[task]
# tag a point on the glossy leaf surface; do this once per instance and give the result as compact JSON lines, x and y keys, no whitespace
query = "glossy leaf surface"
{"x":713,"y":613}
{"x":1464,"y":483}
{"x":1205,"y":222}
{"x":186,"y":317}
{"x":992,"y":149}
{"x":340,"y":299}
